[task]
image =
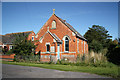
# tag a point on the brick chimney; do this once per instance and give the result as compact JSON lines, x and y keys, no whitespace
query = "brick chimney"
{"x":64,"y":20}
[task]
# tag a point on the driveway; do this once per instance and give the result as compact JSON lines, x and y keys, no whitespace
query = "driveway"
{"x":16,"y":71}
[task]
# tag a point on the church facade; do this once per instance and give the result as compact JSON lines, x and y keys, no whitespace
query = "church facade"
{"x":57,"y":39}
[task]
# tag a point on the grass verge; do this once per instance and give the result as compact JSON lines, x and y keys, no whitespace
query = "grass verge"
{"x":106,"y":71}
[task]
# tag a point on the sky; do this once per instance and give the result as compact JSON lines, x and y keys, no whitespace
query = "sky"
{"x":28,"y":16}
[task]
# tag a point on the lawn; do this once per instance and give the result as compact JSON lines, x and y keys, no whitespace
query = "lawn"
{"x":105,"y":71}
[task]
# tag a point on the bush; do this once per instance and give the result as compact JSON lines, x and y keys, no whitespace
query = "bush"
{"x":29,"y":58}
{"x":65,"y":61}
{"x":8,"y":52}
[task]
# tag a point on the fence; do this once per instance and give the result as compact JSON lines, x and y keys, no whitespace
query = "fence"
{"x":7,"y":57}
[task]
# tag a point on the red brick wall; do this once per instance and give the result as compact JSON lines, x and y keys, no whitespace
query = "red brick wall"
{"x":42,"y":46}
{"x":30,"y":36}
{"x":7,"y":57}
{"x":61,"y":30}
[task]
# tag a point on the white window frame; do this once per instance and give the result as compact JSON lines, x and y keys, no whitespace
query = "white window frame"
{"x":10,"y":47}
{"x":82,"y":46}
{"x":54,"y":24}
{"x":64,"y":44}
{"x":46,"y":47}
{"x":78,"y":45}
{"x":32,"y":38}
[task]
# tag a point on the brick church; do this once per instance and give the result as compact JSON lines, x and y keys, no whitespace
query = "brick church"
{"x":59,"y":40}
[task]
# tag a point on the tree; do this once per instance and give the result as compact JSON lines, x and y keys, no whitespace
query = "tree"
{"x":113,"y":54}
{"x":98,"y":38}
{"x":22,"y":46}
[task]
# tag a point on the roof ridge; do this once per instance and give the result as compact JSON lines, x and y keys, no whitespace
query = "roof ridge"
{"x":18,"y":32}
{"x":71,"y":28}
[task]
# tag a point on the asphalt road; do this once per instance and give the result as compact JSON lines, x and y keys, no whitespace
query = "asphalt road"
{"x":16,"y":71}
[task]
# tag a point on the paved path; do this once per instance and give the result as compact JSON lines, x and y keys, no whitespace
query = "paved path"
{"x":16,"y":71}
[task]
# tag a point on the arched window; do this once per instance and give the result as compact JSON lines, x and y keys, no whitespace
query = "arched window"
{"x":32,"y":38}
{"x":53,"y":25}
{"x":48,"y":47}
{"x":66,"y":44}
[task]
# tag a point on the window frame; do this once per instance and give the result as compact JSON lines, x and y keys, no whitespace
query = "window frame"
{"x":82,"y":45}
{"x":10,"y":47}
{"x":48,"y":51}
{"x":32,"y":38}
{"x":53,"y":24}
{"x":67,"y":44}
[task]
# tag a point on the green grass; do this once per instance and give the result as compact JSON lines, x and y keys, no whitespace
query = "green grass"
{"x":106,"y":71}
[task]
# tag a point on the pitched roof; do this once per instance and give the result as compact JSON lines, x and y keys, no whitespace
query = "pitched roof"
{"x":54,"y":36}
{"x":9,"y":38}
{"x":71,"y":28}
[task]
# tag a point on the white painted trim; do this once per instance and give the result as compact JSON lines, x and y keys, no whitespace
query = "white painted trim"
{"x":10,"y":46}
{"x":54,"y":24}
{"x":82,"y":46}
{"x":47,"y":43}
{"x":36,"y":36}
{"x":33,"y":38}
{"x":65,"y":37}
{"x":73,"y":34}
{"x":67,"y":52}
{"x":47,"y":52}
{"x":64,"y":41}
{"x":78,"y":45}
{"x":54,"y":40}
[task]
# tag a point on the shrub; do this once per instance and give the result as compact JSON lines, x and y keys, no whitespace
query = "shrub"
{"x":28,"y":58}
{"x":8,"y":52}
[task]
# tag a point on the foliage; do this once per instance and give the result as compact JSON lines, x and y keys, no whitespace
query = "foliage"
{"x":113,"y":54}
{"x":30,"y":58}
{"x":4,"y":51}
{"x":8,"y":52}
{"x":96,"y":46}
{"x":98,"y":38}
{"x":23,"y":46}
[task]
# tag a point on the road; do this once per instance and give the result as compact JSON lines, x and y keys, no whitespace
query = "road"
{"x":16,"y":71}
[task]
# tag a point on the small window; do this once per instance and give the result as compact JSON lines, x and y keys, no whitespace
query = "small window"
{"x":45,"y":56}
{"x":82,"y":45}
{"x":11,"y":47}
{"x":52,"y":49}
{"x":48,"y":56}
{"x":48,"y":47}
{"x":41,"y":56}
{"x":53,"y":25}
{"x":78,"y":45}
{"x":66,"y":44}
{"x":36,"y":36}
{"x":32,"y":38}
